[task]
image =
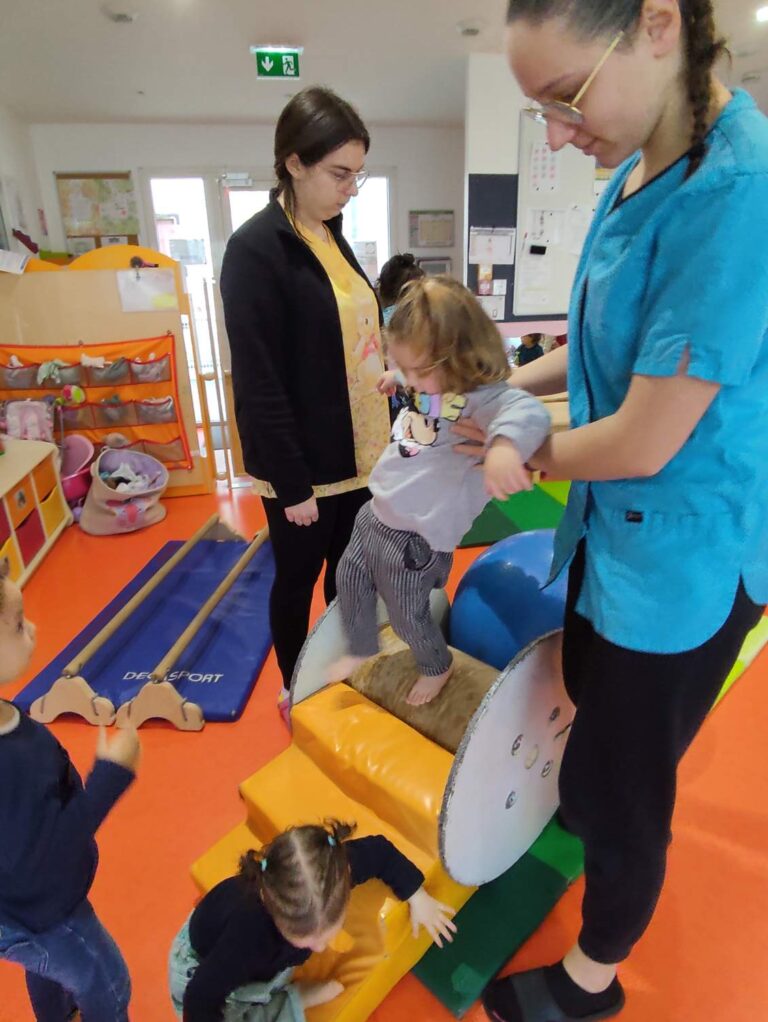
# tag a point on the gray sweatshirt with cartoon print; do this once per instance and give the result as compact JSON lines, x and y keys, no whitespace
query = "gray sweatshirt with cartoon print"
{"x":421,"y":485}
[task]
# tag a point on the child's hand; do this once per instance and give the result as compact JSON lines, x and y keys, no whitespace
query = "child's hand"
{"x":504,"y":470}
{"x":314,"y":994}
{"x":387,"y":383}
{"x":124,"y":749}
{"x":434,"y":917}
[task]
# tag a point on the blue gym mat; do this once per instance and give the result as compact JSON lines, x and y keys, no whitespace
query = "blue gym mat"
{"x":220,"y":666}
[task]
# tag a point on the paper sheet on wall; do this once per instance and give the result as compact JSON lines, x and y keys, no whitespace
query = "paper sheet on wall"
{"x":545,"y":168}
{"x":545,"y":226}
{"x":534,"y":281}
{"x":577,"y":222}
{"x":494,"y":246}
{"x":494,"y":306}
{"x":147,"y":290}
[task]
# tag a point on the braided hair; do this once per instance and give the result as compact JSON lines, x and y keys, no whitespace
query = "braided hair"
{"x":302,"y":877}
{"x":703,"y":48}
{"x":596,"y":18}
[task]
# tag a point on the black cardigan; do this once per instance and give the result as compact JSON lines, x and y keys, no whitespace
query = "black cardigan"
{"x":288,"y":369}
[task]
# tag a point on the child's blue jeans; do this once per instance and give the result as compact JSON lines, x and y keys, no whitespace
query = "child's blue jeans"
{"x":73,"y":966}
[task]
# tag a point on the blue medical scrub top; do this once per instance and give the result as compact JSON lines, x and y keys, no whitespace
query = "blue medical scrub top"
{"x":681,"y":265}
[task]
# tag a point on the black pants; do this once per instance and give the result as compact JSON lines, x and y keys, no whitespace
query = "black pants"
{"x":636,"y":715}
{"x":300,"y":551}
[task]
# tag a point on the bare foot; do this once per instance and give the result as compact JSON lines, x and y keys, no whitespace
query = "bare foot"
{"x":314,"y":994}
{"x":344,"y":667}
{"x":428,"y":687}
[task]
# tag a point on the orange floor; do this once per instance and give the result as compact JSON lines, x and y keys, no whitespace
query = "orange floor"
{"x":701,"y":959}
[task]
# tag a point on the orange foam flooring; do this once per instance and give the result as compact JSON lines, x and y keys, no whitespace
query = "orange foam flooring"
{"x":701,"y":958}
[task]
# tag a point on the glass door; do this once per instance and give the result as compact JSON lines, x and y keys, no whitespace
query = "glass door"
{"x":182,"y":227}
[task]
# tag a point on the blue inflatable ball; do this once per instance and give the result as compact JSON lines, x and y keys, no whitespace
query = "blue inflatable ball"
{"x":500,"y":606}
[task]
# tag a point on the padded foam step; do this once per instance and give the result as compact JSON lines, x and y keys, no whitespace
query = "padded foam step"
{"x":377,"y":759}
{"x":291,"y":789}
{"x":222,"y":860}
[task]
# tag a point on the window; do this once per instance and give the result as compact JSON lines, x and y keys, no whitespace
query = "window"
{"x":366,"y":224}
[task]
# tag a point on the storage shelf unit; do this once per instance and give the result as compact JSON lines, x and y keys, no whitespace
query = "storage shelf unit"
{"x":33,"y":510}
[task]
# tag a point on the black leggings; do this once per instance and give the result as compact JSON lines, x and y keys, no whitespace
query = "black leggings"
{"x":636,"y":715}
{"x":300,"y":551}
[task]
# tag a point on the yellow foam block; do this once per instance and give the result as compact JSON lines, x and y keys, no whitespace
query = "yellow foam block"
{"x":221,"y":861}
{"x":292,"y":790}
{"x":353,"y":761}
{"x":376,"y":759}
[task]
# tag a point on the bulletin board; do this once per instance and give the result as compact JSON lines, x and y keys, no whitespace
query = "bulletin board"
{"x":555,"y":205}
{"x":491,"y":208}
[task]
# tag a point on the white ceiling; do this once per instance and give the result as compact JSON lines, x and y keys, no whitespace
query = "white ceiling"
{"x":399,"y":61}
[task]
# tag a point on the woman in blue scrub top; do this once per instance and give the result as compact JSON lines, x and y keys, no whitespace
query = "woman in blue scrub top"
{"x":666,"y":530}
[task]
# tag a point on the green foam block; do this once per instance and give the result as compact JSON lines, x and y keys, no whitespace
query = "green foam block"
{"x":499,"y":918}
{"x":534,"y":509}
{"x":491,"y":525}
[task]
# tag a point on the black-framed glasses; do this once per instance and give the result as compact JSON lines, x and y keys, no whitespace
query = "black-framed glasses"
{"x":569,"y":113}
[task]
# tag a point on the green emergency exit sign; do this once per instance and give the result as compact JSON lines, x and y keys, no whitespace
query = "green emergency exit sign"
{"x":277,"y":61}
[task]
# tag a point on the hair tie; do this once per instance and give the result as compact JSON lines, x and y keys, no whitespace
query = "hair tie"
{"x":263,"y":865}
{"x":331,"y":840}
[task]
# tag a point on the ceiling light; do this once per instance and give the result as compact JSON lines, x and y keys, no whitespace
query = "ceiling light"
{"x":762,"y":14}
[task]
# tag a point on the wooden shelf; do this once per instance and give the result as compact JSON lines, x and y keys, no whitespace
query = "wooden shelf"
{"x":33,"y":509}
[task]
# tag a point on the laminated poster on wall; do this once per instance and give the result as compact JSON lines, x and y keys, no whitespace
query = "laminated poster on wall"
{"x":494,"y":245}
{"x":147,"y":290}
{"x":545,"y":169}
{"x":431,"y":228}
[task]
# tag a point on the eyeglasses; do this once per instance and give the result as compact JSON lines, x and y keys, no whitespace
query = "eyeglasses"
{"x":569,"y":113}
{"x":346,"y":178}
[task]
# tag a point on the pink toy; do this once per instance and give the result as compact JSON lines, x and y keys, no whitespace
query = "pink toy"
{"x":76,"y":456}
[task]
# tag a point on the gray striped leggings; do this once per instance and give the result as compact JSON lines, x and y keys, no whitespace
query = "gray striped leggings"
{"x":402,"y":569}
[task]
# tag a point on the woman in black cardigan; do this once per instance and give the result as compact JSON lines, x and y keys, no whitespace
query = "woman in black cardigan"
{"x":304,"y":332}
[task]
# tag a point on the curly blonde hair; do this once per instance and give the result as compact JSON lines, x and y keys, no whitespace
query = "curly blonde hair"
{"x":441,"y":319}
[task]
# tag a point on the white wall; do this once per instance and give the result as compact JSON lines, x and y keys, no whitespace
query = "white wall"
{"x":18,"y":177}
{"x":428,"y":163}
{"x":494,"y":103}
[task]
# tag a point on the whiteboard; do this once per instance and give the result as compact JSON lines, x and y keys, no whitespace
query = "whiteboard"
{"x":555,"y":205}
